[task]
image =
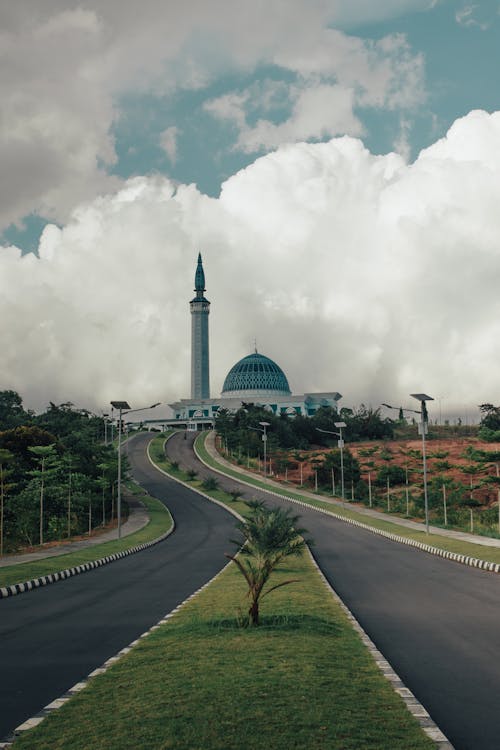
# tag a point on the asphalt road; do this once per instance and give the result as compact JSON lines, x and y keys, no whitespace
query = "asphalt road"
{"x":437,"y":622}
{"x":53,"y":637}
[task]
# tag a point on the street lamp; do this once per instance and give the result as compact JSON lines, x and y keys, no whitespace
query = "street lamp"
{"x":340,"y":444}
{"x":121,"y":406}
{"x":264,"y":425}
{"x":422,"y":398}
{"x":105,"y":416}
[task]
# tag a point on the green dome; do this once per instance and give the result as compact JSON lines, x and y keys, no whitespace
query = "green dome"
{"x":255,"y":375}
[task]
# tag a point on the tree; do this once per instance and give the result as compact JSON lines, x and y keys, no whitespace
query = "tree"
{"x":19,"y":441}
{"x":395,"y":475}
{"x":490,"y":416}
{"x":5,"y":458}
{"x":332,"y":460}
{"x":12,"y":413}
{"x":46,"y":455}
{"x":269,"y":535}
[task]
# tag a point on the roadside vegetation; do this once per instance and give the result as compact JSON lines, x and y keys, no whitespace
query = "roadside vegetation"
{"x":492,"y":554}
{"x":382,"y":462}
{"x":57,"y":476}
{"x":160,"y":521}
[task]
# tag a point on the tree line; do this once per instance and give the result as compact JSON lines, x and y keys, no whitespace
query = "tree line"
{"x":56,"y":474}
{"x":241,"y":434}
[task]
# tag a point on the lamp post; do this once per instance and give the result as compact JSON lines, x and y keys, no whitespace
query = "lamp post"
{"x":340,"y":444}
{"x":422,"y":398}
{"x":121,"y":406}
{"x":265,"y":425}
{"x":105,"y":416}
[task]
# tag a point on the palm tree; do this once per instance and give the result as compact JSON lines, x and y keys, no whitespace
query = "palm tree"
{"x":269,"y":535}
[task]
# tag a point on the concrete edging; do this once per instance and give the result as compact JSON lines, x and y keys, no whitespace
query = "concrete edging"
{"x":22,"y":588}
{"x":415,"y":708}
{"x":412,"y":704}
{"x":473,"y":562}
{"x":62,"y":700}
{"x":32,"y":722}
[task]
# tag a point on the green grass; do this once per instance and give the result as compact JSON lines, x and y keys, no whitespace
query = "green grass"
{"x":160,"y":521}
{"x":200,"y":682}
{"x":157,"y":454}
{"x":492,"y":554}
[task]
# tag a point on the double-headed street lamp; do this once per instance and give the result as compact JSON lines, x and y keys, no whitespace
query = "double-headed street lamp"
{"x":121,"y":405}
{"x":422,"y":398}
{"x":340,"y":444}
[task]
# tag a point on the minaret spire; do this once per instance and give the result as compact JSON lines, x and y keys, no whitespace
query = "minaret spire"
{"x":200,"y":310}
{"x":199,"y":278}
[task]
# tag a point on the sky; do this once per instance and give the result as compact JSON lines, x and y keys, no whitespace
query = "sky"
{"x":336,"y":162}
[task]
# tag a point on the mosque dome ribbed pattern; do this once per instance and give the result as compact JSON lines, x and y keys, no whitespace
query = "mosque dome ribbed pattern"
{"x":255,"y":375}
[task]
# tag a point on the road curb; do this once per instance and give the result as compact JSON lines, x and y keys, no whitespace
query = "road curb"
{"x":413,"y":705}
{"x":473,"y":562}
{"x":54,"y":705}
{"x":190,"y":487}
{"x":22,"y":588}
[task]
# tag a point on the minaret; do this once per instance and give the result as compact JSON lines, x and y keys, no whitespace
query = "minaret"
{"x":200,"y":309}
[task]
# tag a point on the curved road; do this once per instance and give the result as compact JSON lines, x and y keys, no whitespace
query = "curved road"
{"x":437,"y":622}
{"x":53,"y":637}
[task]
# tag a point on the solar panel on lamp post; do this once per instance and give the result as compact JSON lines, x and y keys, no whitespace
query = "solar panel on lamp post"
{"x":121,"y":406}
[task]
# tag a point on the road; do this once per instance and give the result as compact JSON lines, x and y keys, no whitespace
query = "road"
{"x":437,"y":622}
{"x":55,"y":636}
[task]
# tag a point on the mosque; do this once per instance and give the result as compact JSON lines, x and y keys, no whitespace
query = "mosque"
{"x":255,"y":379}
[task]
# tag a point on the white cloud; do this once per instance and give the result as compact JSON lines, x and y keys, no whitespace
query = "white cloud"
{"x":168,"y":142}
{"x":355,"y":272}
{"x":229,"y":107}
{"x":352,"y":12}
{"x":319,"y":112}
{"x":336,"y":75}
{"x":466,"y":16}
{"x":65,"y":66}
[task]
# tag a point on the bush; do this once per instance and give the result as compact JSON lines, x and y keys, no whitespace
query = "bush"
{"x":395,"y":475}
{"x":210,"y":484}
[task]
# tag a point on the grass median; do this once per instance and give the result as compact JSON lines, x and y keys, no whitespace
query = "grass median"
{"x":480,"y":551}
{"x":201,"y":682}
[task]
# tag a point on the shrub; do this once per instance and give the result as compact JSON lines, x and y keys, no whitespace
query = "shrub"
{"x":395,"y":475}
{"x":210,"y":484}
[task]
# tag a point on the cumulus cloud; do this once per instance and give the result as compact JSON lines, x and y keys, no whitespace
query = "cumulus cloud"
{"x":319,"y":112}
{"x":335,"y":76}
{"x":67,"y":68}
{"x":355,"y":272}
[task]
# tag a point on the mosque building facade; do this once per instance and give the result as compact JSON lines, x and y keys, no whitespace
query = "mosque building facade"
{"x":254,"y":379}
